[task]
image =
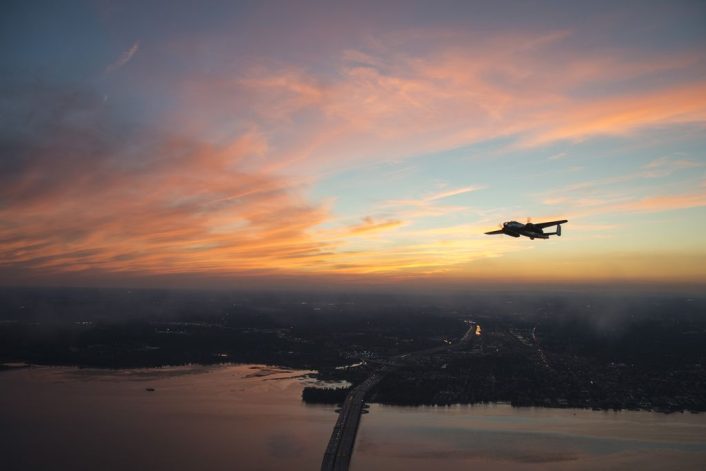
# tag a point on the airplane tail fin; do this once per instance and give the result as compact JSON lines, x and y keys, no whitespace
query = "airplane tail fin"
{"x":557,"y":233}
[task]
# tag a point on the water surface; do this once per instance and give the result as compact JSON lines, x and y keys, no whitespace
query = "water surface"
{"x":197,"y":417}
{"x":251,"y":417}
{"x":500,"y":437}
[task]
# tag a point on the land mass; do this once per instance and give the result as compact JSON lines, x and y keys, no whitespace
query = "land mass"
{"x":586,"y":351}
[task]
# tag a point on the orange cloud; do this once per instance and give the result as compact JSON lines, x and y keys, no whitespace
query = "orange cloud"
{"x":85,"y":193}
{"x":623,"y":115}
{"x":665,"y":203}
{"x":370,"y":225}
{"x":81,"y":200}
{"x":390,"y":102}
{"x":620,"y":202}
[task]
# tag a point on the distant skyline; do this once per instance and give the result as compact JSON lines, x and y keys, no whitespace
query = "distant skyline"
{"x":359,"y":144}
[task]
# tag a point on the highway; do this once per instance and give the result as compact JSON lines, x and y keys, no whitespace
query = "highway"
{"x":340,"y":446}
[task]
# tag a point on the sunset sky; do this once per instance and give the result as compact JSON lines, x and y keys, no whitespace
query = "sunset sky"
{"x":355,"y":143}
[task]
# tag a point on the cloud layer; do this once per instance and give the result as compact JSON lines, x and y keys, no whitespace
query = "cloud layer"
{"x":213,"y":151}
{"x":82,"y":191}
{"x":393,"y":100}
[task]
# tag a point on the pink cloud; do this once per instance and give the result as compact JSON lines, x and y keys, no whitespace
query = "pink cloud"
{"x":390,"y":102}
{"x":79,"y":202}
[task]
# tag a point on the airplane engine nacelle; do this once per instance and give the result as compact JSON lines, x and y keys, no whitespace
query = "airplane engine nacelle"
{"x":558,"y":230}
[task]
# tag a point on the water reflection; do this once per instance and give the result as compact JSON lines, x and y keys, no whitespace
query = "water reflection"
{"x":228,"y":417}
{"x":500,"y":437}
{"x":251,"y":417}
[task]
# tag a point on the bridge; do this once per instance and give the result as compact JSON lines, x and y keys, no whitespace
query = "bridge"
{"x":340,"y":446}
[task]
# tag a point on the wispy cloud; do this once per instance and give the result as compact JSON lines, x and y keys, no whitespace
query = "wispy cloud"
{"x":558,"y":156}
{"x":430,"y":205}
{"x":392,"y":102}
{"x":664,"y":203}
{"x":620,"y":116}
{"x":626,"y":203}
{"x":430,"y":200}
{"x":449,"y":193}
{"x":225,"y":191}
{"x":665,"y":166}
{"x":83,"y":199}
{"x":124,"y":58}
{"x":369,"y":225}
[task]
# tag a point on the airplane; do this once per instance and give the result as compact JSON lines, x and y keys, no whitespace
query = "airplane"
{"x":531,"y":230}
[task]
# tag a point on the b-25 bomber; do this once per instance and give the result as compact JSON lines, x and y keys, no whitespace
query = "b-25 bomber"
{"x":530,"y":229}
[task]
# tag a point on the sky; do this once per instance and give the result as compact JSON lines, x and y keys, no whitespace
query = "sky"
{"x":356,"y":144}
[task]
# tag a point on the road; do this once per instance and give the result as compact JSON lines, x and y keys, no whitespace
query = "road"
{"x":542,"y":356}
{"x":340,"y":446}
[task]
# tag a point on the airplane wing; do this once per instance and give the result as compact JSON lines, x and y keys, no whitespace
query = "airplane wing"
{"x":495,"y":232}
{"x":542,"y":225}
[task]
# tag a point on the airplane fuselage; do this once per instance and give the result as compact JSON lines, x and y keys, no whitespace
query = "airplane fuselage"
{"x":531,"y":230}
{"x":517,"y":229}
